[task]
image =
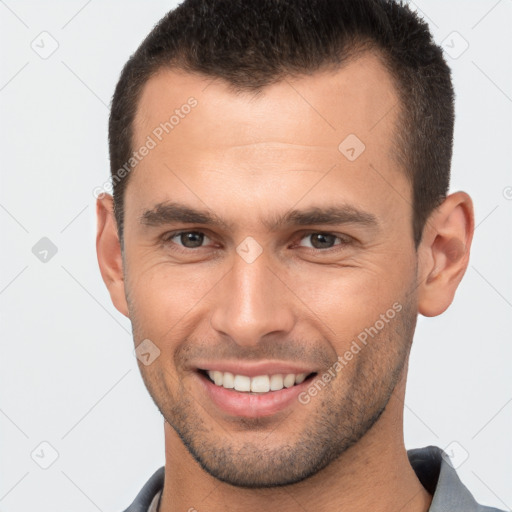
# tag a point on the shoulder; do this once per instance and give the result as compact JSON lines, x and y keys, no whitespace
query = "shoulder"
{"x":151,"y":488}
{"x":435,"y":472}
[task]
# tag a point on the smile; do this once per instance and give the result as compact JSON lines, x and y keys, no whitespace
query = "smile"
{"x":257,"y":384}
{"x":254,"y":396}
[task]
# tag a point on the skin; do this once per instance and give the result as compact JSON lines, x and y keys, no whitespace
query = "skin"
{"x":249,"y":160}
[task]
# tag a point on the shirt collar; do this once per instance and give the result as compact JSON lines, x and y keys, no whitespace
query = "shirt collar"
{"x":431,"y":465}
{"x":436,"y":473}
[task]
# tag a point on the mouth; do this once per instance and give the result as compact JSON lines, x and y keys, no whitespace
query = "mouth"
{"x":244,"y":396}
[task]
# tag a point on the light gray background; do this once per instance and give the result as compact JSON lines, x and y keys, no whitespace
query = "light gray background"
{"x":68,"y":373}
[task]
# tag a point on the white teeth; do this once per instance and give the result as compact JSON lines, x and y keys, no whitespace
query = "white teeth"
{"x":301,"y":377}
{"x":217,"y":378}
{"x":228,"y":381}
{"x":289,"y":380}
{"x":258,"y":384}
{"x":276,"y":382}
{"x":242,"y":383}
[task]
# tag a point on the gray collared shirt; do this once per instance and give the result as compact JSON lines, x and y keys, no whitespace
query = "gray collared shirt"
{"x":431,"y":465}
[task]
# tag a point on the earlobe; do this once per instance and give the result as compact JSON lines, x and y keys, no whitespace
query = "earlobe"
{"x":108,"y":250}
{"x":444,"y":253}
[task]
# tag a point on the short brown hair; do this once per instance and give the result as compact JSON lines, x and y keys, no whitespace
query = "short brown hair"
{"x":251,"y":44}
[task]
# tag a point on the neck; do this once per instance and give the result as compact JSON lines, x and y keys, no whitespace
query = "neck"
{"x":373,"y":474}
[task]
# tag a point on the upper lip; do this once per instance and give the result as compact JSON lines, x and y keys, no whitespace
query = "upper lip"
{"x":255,"y":368}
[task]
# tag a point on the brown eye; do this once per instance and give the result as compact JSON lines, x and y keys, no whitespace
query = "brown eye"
{"x":321,"y":240}
{"x":189,"y":239}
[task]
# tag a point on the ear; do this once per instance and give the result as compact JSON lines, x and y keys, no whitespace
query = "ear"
{"x":108,"y":249}
{"x":443,"y":253}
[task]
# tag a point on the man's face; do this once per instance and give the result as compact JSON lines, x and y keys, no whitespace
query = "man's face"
{"x":329,"y":258}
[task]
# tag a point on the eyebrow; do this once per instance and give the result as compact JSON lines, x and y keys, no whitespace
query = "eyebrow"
{"x":172,"y":212}
{"x":332,"y":215}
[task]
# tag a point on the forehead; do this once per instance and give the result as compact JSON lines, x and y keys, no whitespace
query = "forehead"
{"x":354,"y":99}
{"x":232,"y":141}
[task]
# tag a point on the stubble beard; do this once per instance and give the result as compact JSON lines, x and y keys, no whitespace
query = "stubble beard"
{"x":338,"y":417}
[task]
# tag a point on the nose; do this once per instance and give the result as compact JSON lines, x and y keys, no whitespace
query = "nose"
{"x":252,"y":302}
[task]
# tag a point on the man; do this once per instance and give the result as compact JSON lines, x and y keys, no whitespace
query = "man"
{"x":280,"y":217}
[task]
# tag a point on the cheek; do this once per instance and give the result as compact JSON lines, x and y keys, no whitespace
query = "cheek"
{"x":162,"y":296}
{"x":346,"y":301}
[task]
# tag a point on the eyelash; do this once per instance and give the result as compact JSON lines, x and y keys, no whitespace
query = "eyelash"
{"x":344,"y":240}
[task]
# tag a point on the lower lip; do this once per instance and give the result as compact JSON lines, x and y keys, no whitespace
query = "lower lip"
{"x":247,"y":405}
